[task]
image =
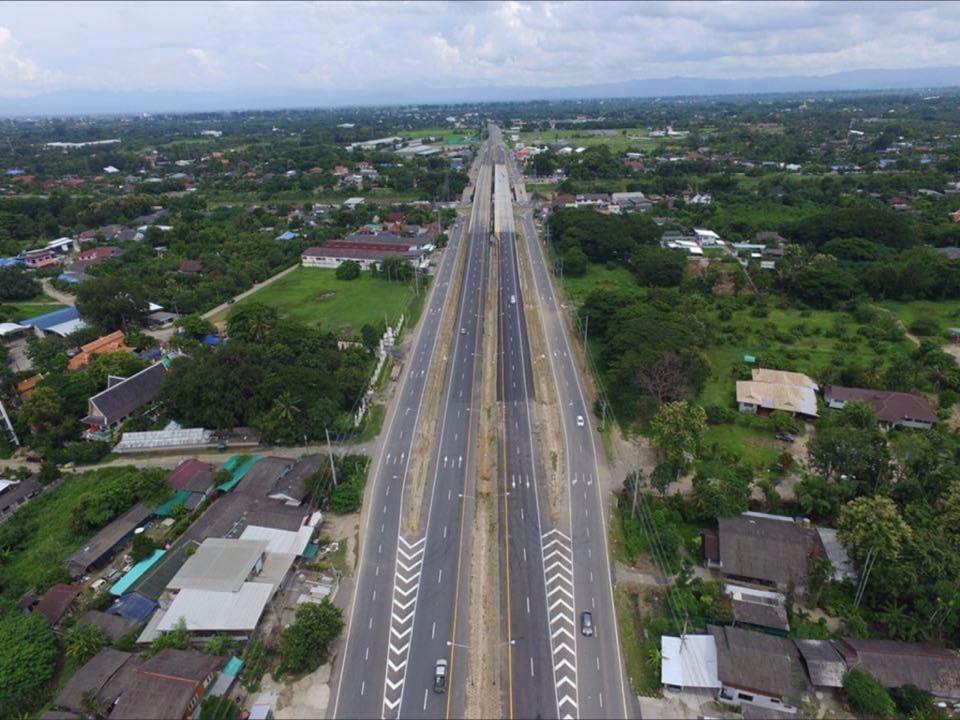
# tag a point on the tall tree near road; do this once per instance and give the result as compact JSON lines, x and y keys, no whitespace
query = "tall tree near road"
{"x":676,"y":430}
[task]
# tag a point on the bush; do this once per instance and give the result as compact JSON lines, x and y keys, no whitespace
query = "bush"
{"x":81,"y":452}
{"x":304,"y":644}
{"x":28,"y":661}
{"x":866,"y":695}
{"x":348,"y":270}
{"x":143,"y":547}
{"x":219,"y":707}
{"x":347,"y":497}
{"x":925,"y":326}
{"x":720,"y":415}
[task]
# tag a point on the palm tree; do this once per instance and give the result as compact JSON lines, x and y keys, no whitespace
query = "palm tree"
{"x":287,"y":407}
{"x":654,"y":657}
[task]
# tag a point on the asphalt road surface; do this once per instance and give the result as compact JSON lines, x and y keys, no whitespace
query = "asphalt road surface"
{"x":601,"y":685}
{"x":389,"y":570}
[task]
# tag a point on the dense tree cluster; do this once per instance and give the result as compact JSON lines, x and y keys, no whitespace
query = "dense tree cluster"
{"x":286,"y":379}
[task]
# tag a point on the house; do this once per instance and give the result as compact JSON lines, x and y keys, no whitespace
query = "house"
{"x":59,"y":322}
{"x":929,"y":667}
{"x":352,"y":203}
{"x":759,"y":609}
{"x":192,"y":475}
{"x":762,"y":548}
{"x":224,"y":587}
{"x":689,"y":662}
{"x":40,"y":258}
{"x":707,"y":238}
{"x":114,"y":342}
{"x":57,"y":602}
{"x":758,"y":668}
{"x":893,"y":409}
{"x":190,"y":267}
{"x":100,"y":682}
{"x":290,"y":486}
{"x":113,"y":626}
{"x":825,"y":666}
{"x":366,"y":252}
{"x":92,"y":256}
{"x":104,"y":545}
{"x":286,"y":236}
{"x":25,"y":388}
{"x":770,"y":390}
{"x":171,"y":684}
{"x":123,"y":396}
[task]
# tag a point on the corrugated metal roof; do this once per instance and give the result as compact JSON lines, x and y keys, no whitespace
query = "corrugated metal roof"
{"x":219,"y":564}
{"x":210,"y":610}
{"x":134,"y":574}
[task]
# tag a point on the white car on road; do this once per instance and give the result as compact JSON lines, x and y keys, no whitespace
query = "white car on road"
{"x":580,"y":421}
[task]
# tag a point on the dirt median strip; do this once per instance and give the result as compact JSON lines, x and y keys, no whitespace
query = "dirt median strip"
{"x":549,"y":421}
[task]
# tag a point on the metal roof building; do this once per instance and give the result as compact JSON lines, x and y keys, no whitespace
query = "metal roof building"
{"x":214,"y":611}
{"x":220,"y":564}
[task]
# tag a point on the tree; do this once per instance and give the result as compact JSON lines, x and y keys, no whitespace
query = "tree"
{"x":252,"y":322}
{"x":195,"y":326}
{"x":16,"y":284}
{"x":676,"y":430}
{"x":219,"y":707}
{"x":28,"y":661}
{"x":866,"y":695}
{"x":50,"y":422}
{"x":370,"y":336}
{"x":142,"y":548}
{"x":659,"y":267}
{"x":304,"y":643}
{"x":665,"y":379}
{"x":84,"y":642}
{"x":111,"y":302}
{"x":348,"y":270}
{"x":574,"y":263}
{"x":873,"y":529}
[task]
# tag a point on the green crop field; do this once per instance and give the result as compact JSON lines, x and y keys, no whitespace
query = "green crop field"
{"x":619,"y":140}
{"x":316,"y":297}
{"x":17,"y":311}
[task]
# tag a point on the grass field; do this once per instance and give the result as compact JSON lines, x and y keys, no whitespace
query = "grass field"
{"x":17,"y":311}
{"x":619,"y":140}
{"x":946,"y":313}
{"x":754,"y":448}
{"x":316,"y":297}
{"x":598,"y":277}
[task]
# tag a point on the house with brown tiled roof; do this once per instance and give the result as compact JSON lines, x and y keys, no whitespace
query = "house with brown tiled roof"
{"x":190,"y":267}
{"x":114,"y":342}
{"x":893,"y":408}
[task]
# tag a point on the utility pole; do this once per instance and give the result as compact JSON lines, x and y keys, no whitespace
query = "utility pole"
{"x":333,"y":467}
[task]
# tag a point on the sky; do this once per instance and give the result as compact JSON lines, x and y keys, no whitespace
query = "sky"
{"x":240,"y":46}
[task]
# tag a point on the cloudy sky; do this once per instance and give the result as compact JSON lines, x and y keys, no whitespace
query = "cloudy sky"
{"x":236,"y":46}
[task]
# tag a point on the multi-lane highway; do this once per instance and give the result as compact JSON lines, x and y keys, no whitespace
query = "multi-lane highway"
{"x":531,"y":689}
{"x":601,"y":686}
{"x":373,"y":667}
{"x":410,"y":607}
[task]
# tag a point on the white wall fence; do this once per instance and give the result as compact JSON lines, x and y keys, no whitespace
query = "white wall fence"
{"x":386,"y":342}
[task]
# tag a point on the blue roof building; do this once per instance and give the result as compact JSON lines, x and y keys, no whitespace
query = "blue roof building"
{"x":288,"y":235}
{"x":133,"y":606}
{"x":48,"y":320}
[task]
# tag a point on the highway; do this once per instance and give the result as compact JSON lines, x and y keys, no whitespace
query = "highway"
{"x":601,"y":685}
{"x":532,"y":689}
{"x":372,"y":667}
{"x":440,"y":625}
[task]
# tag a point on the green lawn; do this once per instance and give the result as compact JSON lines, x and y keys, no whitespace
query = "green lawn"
{"x":619,"y":140}
{"x":316,"y":297}
{"x":17,"y":311}
{"x":946,"y":313}
{"x":598,"y":277}
{"x":754,"y":448}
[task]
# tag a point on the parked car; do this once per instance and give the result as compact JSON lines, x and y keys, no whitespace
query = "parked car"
{"x":231,"y":301}
{"x":785,"y":437}
{"x":440,"y":676}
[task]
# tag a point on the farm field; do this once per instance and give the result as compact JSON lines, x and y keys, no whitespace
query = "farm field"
{"x":619,"y":140}
{"x":316,"y":297}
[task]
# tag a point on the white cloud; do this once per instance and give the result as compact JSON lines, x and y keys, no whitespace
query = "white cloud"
{"x":377,"y":45}
{"x":20,"y":74}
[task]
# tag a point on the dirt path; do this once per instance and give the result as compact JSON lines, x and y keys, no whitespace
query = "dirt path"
{"x":58,"y":295}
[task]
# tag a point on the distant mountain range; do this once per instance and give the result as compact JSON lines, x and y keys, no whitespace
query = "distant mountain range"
{"x":82,"y":102}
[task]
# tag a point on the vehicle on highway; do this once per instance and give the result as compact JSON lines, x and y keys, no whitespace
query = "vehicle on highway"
{"x":463,"y":331}
{"x":586,"y":624}
{"x":580,"y":421}
{"x":440,"y":676}
{"x":513,"y":299}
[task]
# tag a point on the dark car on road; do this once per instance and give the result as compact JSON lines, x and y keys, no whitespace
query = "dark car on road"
{"x":586,"y":624}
